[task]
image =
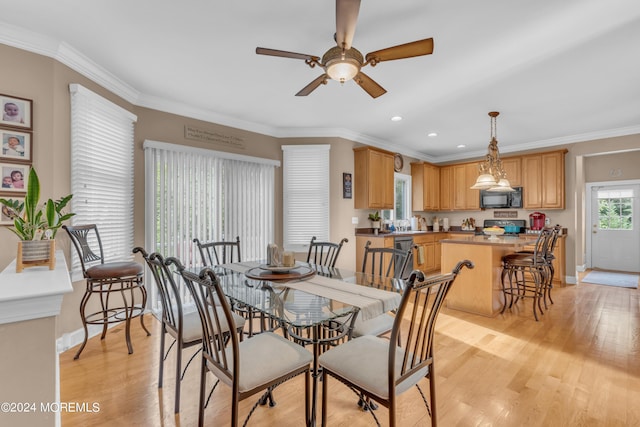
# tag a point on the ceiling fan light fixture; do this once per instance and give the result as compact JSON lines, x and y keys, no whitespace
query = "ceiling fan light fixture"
{"x":342,"y":65}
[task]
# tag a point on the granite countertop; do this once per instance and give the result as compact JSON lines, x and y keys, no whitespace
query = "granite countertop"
{"x":521,"y":240}
{"x":368,"y":232}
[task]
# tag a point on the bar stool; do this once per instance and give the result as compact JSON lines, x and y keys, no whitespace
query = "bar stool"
{"x":528,"y":274}
{"x":103,"y":280}
{"x":550,"y":257}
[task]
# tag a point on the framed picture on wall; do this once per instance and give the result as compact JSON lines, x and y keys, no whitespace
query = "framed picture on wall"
{"x":5,"y":213}
{"x":16,"y":112}
{"x":346,"y":186}
{"x":14,"y":177}
{"x":16,"y":146}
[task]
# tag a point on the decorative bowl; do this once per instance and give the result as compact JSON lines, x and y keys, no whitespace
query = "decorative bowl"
{"x":493,"y":233}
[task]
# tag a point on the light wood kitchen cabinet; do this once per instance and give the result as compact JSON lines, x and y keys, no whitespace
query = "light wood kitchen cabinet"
{"x":464,"y":176}
{"x":373,"y":178}
{"x":473,"y":196}
{"x":425,"y":187}
{"x":513,"y":168}
{"x":427,"y":256}
{"x":446,"y":188}
{"x":424,"y":255}
{"x":459,"y":187}
{"x":543,"y":180}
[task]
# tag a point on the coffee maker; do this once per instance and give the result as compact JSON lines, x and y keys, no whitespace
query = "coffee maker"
{"x":536,"y":221}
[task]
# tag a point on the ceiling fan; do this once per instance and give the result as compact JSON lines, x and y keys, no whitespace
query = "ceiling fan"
{"x":343,"y":62}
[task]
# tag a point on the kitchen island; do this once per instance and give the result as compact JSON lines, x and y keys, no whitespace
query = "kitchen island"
{"x":479,"y":291}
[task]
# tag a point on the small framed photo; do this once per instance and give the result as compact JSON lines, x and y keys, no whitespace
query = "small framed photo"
{"x":14,"y":177}
{"x":16,"y":112}
{"x":5,"y":216}
{"x":346,"y":186}
{"x":16,"y":146}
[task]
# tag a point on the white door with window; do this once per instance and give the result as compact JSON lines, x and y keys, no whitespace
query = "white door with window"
{"x":615,"y":226}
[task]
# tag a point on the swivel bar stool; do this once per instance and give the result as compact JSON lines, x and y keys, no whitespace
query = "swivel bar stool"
{"x":104,"y":280}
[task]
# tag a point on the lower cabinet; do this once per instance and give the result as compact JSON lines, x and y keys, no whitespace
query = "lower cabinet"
{"x":426,"y":257}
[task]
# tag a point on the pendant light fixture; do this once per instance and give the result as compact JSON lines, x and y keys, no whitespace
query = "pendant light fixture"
{"x":492,"y":176}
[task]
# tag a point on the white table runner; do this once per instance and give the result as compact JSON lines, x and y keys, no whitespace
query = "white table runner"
{"x":371,"y":301}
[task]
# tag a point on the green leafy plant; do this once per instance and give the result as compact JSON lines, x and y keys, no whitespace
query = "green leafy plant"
{"x":374,"y":216}
{"x":32,"y":221}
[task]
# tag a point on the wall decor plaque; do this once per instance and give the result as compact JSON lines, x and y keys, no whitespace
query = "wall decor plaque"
{"x":505,"y":214}
{"x":196,"y":134}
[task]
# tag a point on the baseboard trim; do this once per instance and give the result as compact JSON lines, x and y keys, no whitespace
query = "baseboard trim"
{"x":72,"y":339}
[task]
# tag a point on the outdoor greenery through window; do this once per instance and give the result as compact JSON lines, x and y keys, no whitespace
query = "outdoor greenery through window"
{"x":615,"y":209}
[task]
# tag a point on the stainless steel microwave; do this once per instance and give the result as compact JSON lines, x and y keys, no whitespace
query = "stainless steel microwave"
{"x":496,"y":200}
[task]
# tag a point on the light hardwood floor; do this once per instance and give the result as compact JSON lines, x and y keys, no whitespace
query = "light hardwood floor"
{"x":578,"y":366}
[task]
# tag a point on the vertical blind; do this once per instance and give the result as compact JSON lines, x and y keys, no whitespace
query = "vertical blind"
{"x":305,"y":183}
{"x":102,"y":171}
{"x":209,"y":195}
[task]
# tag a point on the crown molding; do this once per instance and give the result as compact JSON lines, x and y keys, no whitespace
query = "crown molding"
{"x":20,"y":38}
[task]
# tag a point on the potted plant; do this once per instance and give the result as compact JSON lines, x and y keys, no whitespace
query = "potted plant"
{"x":36,"y":225}
{"x":375,"y":220}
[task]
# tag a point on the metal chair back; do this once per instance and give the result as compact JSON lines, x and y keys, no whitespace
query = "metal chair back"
{"x":324,"y":253}
{"x":387,"y":262}
{"x":217,"y":253}
{"x":86,"y":241}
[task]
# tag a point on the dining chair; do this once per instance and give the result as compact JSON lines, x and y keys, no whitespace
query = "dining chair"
{"x":104,"y":279}
{"x":324,"y":254}
{"x":183,"y":327}
{"x":382,"y":262}
{"x":214,"y":253}
{"x":386,"y":262}
{"x":219,"y":252}
{"x":382,"y":369}
{"x":254,"y":365}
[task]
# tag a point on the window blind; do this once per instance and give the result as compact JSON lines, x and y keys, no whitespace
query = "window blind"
{"x":305,"y":182}
{"x":102,"y":171}
{"x":209,"y":195}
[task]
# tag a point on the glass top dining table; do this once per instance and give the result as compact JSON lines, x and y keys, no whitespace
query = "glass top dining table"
{"x":308,"y":298}
{"x":326,"y":294}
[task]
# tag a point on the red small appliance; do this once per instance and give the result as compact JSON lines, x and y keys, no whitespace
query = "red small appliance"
{"x":536,"y":220}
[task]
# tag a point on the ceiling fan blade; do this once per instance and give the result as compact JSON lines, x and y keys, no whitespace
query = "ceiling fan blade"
{"x":369,"y":85}
{"x":407,"y":50}
{"x":285,"y":54}
{"x":346,"y":19}
{"x":322,"y":79}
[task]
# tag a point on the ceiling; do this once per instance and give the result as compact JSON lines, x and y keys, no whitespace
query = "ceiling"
{"x":558,"y":72}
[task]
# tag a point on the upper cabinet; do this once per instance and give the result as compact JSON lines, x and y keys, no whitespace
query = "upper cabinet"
{"x":462,"y":177}
{"x":446,"y":188}
{"x":543,"y":180}
{"x":425,"y":187}
{"x":513,"y":168}
{"x":373,"y":178}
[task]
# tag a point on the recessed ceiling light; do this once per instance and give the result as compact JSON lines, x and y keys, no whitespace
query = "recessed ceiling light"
{"x":396,"y":118}
{"x":432,"y":134}
{"x":461,"y":146}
